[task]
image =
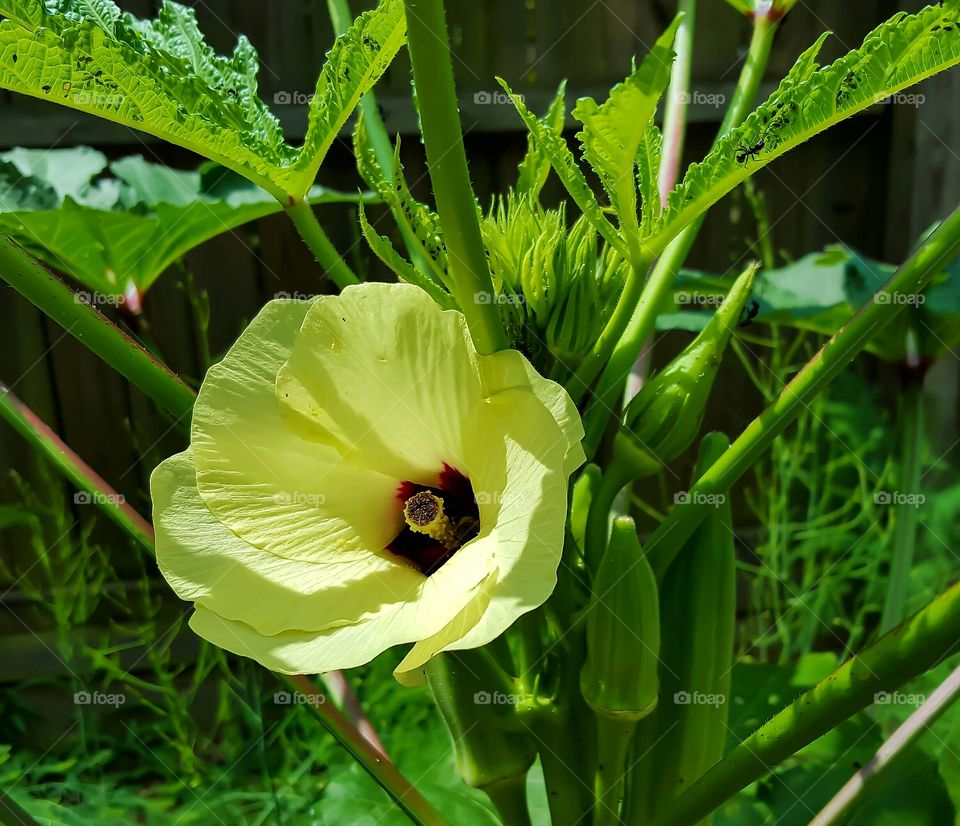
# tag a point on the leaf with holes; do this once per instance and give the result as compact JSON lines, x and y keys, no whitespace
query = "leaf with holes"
{"x":899,"y":53}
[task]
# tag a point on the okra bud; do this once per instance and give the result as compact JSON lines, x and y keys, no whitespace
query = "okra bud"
{"x":666,"y":414}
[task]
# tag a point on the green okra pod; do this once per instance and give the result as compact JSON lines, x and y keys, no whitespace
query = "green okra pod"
{"x":687,"y":734}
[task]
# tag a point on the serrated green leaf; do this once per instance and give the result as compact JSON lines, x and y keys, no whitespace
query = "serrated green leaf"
{"x":612,"y":132}
{"x":899,"y":53}
{"x":421,"y":224}
{"x":564,"y":164}
{"x":113,"y":232}
{"x":403,"y":269}
{"x":648,"y":168}
{"x":535,"y":166}
{"x":161,"y":77}
{"x":358,"y":59}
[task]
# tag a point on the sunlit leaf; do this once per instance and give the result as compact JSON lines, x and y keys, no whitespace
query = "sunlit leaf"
{"x":161,"y":77}
{"x":614,"y":130}
{"x":899,"y":53}
{"x":121,"y":232}
{"x":535,"y":166}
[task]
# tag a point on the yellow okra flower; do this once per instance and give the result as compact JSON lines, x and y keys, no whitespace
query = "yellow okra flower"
{"x":360,"y":477}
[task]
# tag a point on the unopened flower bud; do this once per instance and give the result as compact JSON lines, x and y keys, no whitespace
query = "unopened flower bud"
{"x":666,"y":414}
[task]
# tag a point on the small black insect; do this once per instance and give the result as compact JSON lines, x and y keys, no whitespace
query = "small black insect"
{"x":749,"y":152}
{"x":749,"y":313}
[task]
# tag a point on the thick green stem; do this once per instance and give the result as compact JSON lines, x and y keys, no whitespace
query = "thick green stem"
{"x":901,"y":655}
{"x":97,"y":491}
{"x":910,"y":279}
{"x":644,"y":313}
{"x":874,"y":772}
{"x":613,"y":748}
{"x":563,"y":757}
{"x":906,"y":500}
{"x":52,"y":297}
{"x":301,"y":213}
{"x":414,"y":804}
{"x":447,"y":162}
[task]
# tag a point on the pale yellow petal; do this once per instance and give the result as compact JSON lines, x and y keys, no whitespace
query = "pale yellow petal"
{"x":381,"y":371}
{"x":301,"y":652}
{"x":516,"y":464}
{"x":204,"y":561}
{"x":509,"y":369}
{"x":272,"y":486}
{"x":410,"y":671}
{"x":312,"y":652}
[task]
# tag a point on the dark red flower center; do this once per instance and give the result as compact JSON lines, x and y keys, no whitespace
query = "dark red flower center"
{"x":425,"y":541}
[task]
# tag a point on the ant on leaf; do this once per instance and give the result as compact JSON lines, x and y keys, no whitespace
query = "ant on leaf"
{"x":745,"y":152}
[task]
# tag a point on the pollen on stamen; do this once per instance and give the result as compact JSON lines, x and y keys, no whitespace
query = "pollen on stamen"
{"x":422,"y":508}
{"x":437,"y":521}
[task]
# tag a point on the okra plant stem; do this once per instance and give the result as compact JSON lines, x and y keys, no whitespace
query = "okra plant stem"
{"x":644,"y":312}
{"x":910,"y":279}
{"x":899,"y":656}
{"x":562,"y":756}
{"x":429,"y":49}
{"x":89,"y":326}
{"x":78,"y":472}
{"x":613,"y":747}
{"x":301,"y":214}
{"x":871,"y":775}
{"x":404,"y":794}
{"x":675,"y":114}
{"x":509,"y":797}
